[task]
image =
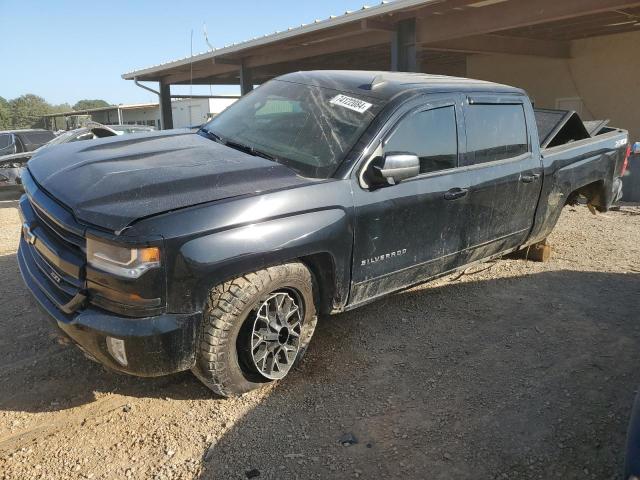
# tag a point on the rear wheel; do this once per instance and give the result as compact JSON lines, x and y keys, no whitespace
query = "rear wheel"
{"x":255,"y":329}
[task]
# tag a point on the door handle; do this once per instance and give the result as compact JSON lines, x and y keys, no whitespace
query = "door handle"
{"x":455,"y":193}
{"x":529,"y":178}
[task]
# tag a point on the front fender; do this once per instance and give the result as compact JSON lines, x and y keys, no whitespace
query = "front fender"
{"x":220,"y":256}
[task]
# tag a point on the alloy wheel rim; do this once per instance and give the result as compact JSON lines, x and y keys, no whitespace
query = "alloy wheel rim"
{"x":275,"y":337}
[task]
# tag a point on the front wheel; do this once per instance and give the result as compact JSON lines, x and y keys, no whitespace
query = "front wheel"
{"x":255,"y":329}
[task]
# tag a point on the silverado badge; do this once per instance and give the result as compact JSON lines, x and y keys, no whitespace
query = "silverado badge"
{"x":383,"y":257}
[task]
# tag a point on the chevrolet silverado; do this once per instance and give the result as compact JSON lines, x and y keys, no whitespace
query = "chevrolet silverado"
{"x":316,"y":193}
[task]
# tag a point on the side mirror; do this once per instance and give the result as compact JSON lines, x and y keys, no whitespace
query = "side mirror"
{"x":398,"y":166}
{"x":635,"y":149}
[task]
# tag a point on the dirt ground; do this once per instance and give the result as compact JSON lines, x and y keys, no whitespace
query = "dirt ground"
{"x":522,"y":371}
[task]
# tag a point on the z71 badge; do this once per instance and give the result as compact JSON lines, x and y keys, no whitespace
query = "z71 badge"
{"x":383,"y":257}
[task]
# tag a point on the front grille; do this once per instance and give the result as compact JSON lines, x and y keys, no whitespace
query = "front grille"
{"x":58,"y":253}
{"x":66,"y":235}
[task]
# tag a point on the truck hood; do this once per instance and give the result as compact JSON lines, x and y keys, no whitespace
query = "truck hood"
{"x":114,"y":181}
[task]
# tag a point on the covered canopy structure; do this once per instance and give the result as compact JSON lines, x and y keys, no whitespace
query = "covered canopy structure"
{"x":476,"y":38}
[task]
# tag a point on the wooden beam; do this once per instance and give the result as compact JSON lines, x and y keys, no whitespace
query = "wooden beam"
{"x":438,"y":8}
{"x":502,"y":44}
{"x":364,"y":40}
{"x":343,"y":31}
{"x":508,"y":15}
{"x":200,"y":71}
{"x":568,"y":28}
{"x":166,"y":115}
{"x":371,"y":24}
{"x":246,"y":79}
{"x":403,"y":47}
{"x":226,"y":61}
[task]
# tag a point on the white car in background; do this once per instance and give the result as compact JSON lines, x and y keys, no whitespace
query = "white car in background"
{"x":127,"y":129}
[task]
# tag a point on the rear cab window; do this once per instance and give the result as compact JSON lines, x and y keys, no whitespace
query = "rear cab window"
{"x":495,"y":132}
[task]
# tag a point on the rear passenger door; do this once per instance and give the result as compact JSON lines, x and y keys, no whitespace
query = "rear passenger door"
{"x":505,"y":172}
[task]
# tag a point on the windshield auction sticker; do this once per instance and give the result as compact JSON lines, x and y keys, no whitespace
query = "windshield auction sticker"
{"x":350,"y":103}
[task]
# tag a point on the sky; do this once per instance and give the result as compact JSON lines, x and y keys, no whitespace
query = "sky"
{"x":65,"y":51}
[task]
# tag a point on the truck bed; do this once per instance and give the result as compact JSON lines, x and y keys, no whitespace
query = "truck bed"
{"x":575,"y":157}
{"x":559,"y":127}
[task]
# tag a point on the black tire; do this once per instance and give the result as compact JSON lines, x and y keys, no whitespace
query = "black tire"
{"x":224,"y":360}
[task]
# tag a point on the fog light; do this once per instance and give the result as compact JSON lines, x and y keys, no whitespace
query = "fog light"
{"x":115,"y":346}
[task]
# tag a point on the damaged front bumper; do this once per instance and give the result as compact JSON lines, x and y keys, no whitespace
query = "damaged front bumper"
{"x":146,"y":347}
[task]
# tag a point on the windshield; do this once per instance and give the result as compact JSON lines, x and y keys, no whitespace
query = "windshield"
{"x":310,"y":129}
{"x":62,"y":138}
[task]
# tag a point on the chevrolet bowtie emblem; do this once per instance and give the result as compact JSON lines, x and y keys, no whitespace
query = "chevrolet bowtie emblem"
{"x":29,"y":237}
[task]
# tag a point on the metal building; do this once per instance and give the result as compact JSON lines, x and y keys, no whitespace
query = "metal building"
{"x":186,"y":112}
{"x":577,"y":54}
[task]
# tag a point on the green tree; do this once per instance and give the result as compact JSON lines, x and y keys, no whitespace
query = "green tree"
{"x":5,"y":114}
{"x":27,"y":111}
{"x":88,"y":104}
{"x":60,"y":108}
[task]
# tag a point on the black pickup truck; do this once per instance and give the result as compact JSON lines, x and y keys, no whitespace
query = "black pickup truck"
{"x":316,"y":193}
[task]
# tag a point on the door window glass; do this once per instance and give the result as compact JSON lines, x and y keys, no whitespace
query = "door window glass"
{"x":495,"y":132}
{"x":5,"y":140}
{"x":431,"y":135}
{"x":35,"y":139}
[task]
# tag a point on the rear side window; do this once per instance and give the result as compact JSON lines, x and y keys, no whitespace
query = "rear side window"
{"x":5,"y":140}
{"x":495,"y":132}
{"x":432,"y":135}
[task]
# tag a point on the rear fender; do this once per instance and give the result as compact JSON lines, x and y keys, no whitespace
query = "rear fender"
{"x":566,"y":178}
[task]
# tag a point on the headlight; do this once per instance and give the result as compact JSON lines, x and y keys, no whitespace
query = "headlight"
{"x":122,"y":261}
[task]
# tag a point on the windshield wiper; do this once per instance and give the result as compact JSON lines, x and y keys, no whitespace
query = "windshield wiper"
{"x":238,"y":146}
{"x":250,"y":150}
{"x":213,"y":136}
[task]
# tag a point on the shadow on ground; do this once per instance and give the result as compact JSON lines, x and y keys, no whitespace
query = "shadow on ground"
{"x":39,"y":374}
{"x":530,"y":376}
{"x":527,"y":377}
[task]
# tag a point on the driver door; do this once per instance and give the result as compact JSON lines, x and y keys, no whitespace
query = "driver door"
{"x":411,"y":231}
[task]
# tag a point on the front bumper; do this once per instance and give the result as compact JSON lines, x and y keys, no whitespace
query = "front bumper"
{"x":154,"y":346}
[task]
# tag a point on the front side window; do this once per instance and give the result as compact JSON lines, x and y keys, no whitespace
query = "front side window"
{"x":495,"y":132}
{"x":308,"y":128}
{"x":431,"y":135}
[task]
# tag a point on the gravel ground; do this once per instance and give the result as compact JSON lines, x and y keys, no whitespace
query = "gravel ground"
{"x":524,"y":370}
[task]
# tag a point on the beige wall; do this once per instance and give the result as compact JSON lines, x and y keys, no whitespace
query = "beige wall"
{"x":604,"y":72}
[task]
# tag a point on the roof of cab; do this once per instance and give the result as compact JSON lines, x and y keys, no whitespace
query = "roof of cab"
{"x":386,"y":85}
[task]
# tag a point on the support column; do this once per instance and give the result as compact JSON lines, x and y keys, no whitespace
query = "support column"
{"x":246,"y":80}
{"x":403,"y":47}
{"x":166,"y":116}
